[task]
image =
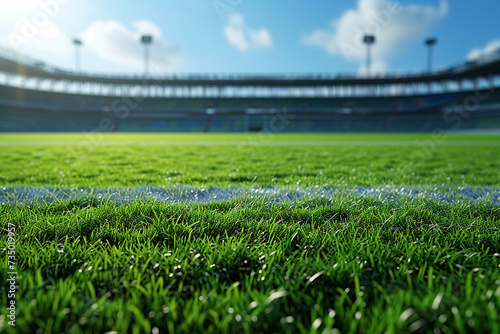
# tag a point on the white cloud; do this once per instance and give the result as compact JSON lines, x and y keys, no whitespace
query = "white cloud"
{"x":29,"y":26}
{"x":53,"y":39}
{"x":244,"y":38}
{"x":113,"y":41}
{"x":392,"y":23}
{"x":491,"y":48}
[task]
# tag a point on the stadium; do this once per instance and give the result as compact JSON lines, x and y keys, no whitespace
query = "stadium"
{"x":225,"y":190}
{"x":40,"y":97}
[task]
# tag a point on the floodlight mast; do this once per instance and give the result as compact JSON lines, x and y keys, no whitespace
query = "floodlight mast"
{"x":369,"y":40}
{"x":146,"y":40}
{"x":430,"y":44}
{"x":78,"y":43}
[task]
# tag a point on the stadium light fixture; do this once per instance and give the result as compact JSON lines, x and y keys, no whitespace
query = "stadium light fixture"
{"x":430,"y":44}
{"x":369,"y":40}
{"x":146,"y":40}
{"x":78,"y":43}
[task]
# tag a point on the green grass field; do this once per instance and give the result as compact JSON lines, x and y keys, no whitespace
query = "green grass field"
{"x":350,"y":264}
{"x":261,"y":160}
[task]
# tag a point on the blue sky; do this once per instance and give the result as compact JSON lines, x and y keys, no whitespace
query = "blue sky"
{"x":250,"y":36}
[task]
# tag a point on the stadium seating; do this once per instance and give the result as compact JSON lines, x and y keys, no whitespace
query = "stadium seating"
{"x":31,"y":110}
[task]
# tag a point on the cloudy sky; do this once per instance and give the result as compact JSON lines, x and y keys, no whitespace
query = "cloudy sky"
{"x":249,"y":36}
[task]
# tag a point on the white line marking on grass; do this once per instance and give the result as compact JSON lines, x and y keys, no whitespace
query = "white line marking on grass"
{"x":441,"y":194}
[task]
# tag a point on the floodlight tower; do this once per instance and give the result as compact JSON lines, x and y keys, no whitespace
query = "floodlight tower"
{"x":78,"y":43}
{"x":369,"y":40}
{"x":430,"y":43}
{"x":146,"y":40}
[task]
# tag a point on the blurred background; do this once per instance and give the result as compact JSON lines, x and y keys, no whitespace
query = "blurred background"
{"x":249,"y":66}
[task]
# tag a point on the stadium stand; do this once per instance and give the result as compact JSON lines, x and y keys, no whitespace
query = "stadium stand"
{"x":316,"y":103}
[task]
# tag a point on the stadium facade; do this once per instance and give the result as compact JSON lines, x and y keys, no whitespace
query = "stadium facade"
{"x":37,"y":97}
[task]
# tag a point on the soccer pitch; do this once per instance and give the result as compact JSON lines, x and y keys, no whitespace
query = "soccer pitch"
{"x":154,"y":233}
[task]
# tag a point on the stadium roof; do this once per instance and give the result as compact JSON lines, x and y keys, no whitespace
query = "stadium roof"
{"x":469,"y":71}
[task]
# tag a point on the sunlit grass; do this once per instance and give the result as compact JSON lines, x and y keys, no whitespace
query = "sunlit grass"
{"x":415,"y":160}
{"x":355,"y":264}
{"x":347,"y":263}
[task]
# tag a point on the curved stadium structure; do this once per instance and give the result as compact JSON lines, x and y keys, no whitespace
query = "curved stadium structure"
{"x":37,"y":97}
